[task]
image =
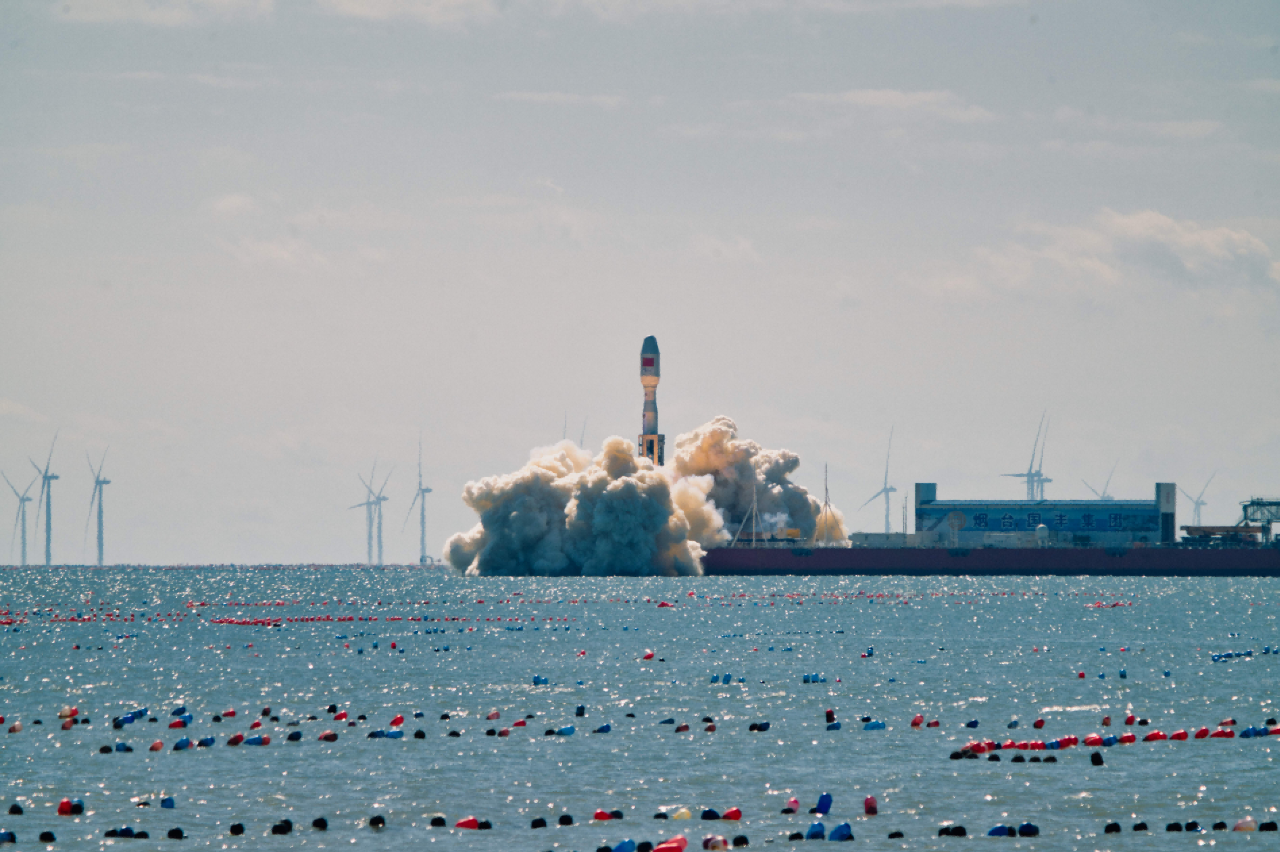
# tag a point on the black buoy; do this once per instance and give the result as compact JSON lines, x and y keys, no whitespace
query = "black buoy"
{"x":1096,"y":759}
{"x":1139,"y":826}
{"x":283,"y":827}
{"x":710,"y":813}
{"x":266,"y":711}
{"x":632,"y":716}
{"x":896,"y":835}
{"x":660,"y":815}
{"x":47,"y":837}
{"x":740,"y":840}
{"x":492,"y":732}
{"x":141,"y":835}
{"x":484,"y":825}
{"x":419,"y":734}
{"x":438,"y":822}
{"x":217,"y":718}
{"x":454,"y":734}
{"x":582,"y":711}
{"x":958,"y":831}
{"x":1051,"y":759}
{"x":175,"y":834}
{"x":237,"y":829}
{"x":294,"y":736}
{"x":1017,"y":758}
{"x":565,"y":819}
{"x":1267,"y":826}
{"x":644,"y":846}
{"x":955,"y":755}
{"x":993,"y":758}
{"x":15,"y":809}
{"x":105,"y":750}
{"x":1192,"y":826}
{"x":444,"y":717}
{"x":970,"y":755}
{"x":617,"y":814}
{"x":1219,"y":826}
{"x":1112,"y":828}
{"x":1173,"y":826}
{"x":1033,"y":759}
{"x":377,"y":822}
{"x":332,"y":708}
{"x":604,"y":849}
{"x":320,"y":824}
{"x":551,"y":732}
{"x":945,"y":831}
{"x":709,"y":721}
{"x":538,"y":822}
{"x":795,"y":835}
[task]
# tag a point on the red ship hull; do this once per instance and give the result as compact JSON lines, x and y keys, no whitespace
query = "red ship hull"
{"x":990,"y":562}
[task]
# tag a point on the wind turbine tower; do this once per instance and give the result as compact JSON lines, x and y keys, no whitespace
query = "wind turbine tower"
{"x":419,"y":498}
{"x":1197,"y":503}
{"x":368,"y":506}
{"x":98,"y":483}
{"x":20,"y":519}
{"x":46,"y":491}
{"x":378,"y":500}
{"x":886,"y":490}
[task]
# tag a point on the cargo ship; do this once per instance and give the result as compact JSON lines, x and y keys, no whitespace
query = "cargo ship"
{"x":1118,"y":538}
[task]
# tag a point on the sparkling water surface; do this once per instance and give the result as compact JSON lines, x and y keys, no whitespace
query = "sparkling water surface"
{"x":954,"y":649}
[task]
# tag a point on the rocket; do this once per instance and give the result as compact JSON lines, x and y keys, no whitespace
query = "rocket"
{"x":651,"y":444}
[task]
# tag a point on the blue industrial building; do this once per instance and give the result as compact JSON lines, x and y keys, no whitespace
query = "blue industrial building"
{"x":1030,"y":523}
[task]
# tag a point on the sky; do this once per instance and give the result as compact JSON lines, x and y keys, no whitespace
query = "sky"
{"x":250,"y":248}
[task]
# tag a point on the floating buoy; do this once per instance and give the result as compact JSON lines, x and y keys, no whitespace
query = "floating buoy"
{"x":672,"y":844}
{"x":1202,"y":733}
{"x":869,"y":806}
{"x":156,"y":746}
{"x":603,"y":729}
{"x":873,"y":726}
{"x":182,"y":745}
{"x":467,"y":822}
{"x":235,"y":739}
{"x":824,"y":805}
{"x":842,"y":832}
{"x":682,"y":813}
{"x":917,"y":720}
{"x":932,"y":724}
{"x":1246,"y":824}
{"x":732,"y":814}
{"x":1038,"y":724}
{"x":710,"y":814}
{"x":817,"y":831}
{"x":1155,"y":736}
{"x":258,"y":741}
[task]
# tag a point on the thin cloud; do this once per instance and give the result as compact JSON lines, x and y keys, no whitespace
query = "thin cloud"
{"x":939,"y":103}
{"x":1266,"y":85}
{"x":563,"y":99}
{"x":161,"y":13}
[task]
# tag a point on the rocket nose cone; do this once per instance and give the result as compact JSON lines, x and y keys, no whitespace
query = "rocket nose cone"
{"x":650,"y":346}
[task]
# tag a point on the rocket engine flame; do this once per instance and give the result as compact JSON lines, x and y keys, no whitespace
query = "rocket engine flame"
{"x":568,"y":513}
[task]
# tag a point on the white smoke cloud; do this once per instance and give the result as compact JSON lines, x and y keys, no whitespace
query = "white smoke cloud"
{"x":566,"y":513}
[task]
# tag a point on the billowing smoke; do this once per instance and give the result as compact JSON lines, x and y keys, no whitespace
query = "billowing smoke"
{"x":566,"y":513}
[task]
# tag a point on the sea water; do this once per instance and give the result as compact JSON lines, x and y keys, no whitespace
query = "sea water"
{"x":951,"y":649}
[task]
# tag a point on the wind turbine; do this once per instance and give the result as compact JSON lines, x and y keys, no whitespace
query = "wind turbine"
{"x":46,"y":491}
{"x":378,"y":500}
{"x":98,"y":483}
{"x":368,"y":505}
{"x":20,"y":517}
{"x":1197,"y":502}
{"x":1103,"y":495}
{"x":886,"y":489}
{"x":1035,"y":475}
{"x":419,"y":497}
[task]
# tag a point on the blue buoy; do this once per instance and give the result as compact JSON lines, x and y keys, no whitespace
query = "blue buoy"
{"x":178,"y":711}
{"x":393,"y":735}
{"x":208,"y":741}
{"x":566,"y":731}
{"x":806,"y":679}
{"x":1166,"y":673}
{"x":1001,"y":831}
{"x":667,"y":722}
{"x":603,"y":729}
{"x":1110,"y":740}
{"x":972,"y":723}
{"x":182,"y":744}
{"x":1102,"y":675}
{"x":166,"y":802}
{"x":842,"y":832}
{"x":873,"y":726}
{"x":834,"y":726}
{"x":255,"y":741}
{"x":1123,"y":674}
{"x":824,"y":804}
{"x":817,"y":831}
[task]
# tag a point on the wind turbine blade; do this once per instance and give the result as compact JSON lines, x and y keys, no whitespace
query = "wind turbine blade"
{"x":887,"y":455}
{"x":873,"y":498}
{"x":95,"y":496}
{"x":1031,"y":464}
{"x":91,"y":470}
{"x":366,"y":485}
{"x":361,"y":505}
{"x":1109,"y":475}
{"x":416,"y":497}
{"x":1044,"y":443}
{"x":11,"y":488}
{"x":1094,"y":490}
{"x":384,"y":483}
{"x":49,"y":460}
{"x":1185,"y":494}
{"x":13,"y":536}
{"x":1206,"y":486}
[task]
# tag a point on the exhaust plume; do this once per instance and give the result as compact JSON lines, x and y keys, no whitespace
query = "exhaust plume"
{"x":567,"y":513}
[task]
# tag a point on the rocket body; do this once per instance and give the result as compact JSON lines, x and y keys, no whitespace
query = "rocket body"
{"x":651,"y":444}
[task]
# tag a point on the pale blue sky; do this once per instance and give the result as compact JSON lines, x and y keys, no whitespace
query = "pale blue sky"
{"x":252,"y":246}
